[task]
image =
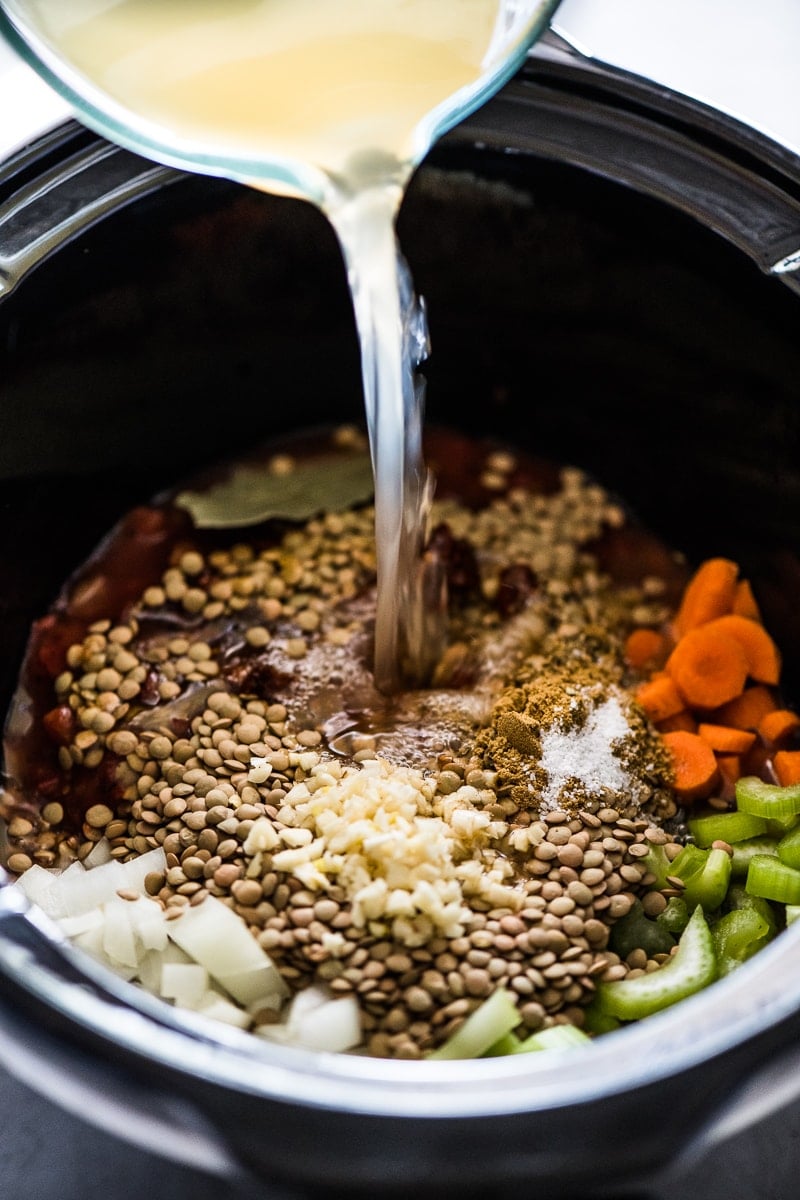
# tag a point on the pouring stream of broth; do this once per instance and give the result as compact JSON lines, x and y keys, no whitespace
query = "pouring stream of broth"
{"x":335,"y":101}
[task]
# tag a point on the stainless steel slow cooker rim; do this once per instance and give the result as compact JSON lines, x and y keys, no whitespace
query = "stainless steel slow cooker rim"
{"x":732,"y":178}
{"x":120,"y":1014}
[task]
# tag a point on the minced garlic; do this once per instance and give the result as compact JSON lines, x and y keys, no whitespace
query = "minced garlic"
{"x":406,"y":856}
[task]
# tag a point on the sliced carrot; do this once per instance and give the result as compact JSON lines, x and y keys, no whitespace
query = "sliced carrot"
{"x":779,"y":725}
{"x":708,"y":666}
{"x":714,"y":697}
{"x":748,"y":710}
{"x":660,"y":698}
{"x":724,"y":739}
{"x":694,"y":764}
{"x":645,"y":649}
{"x":787,"y":767}
{"x":681,"y":720}
{"x":763,"y":656}
{"x":744,"y":602}
{"x":708,"y":594}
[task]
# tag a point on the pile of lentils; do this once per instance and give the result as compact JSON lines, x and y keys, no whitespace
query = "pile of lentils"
{"x":182,"y":723}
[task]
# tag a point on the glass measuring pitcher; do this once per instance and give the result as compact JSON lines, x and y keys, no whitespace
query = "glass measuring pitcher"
{"x":297,"y":96}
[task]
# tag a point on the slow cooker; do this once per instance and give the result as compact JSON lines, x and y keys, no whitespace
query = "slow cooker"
{"x":610,"y":255}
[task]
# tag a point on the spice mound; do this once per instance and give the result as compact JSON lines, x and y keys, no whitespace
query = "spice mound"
{"x":570,"y":732}
{"x":207,"y":793}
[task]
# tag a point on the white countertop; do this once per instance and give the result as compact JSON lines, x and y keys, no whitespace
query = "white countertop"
{"x":738,"y":56}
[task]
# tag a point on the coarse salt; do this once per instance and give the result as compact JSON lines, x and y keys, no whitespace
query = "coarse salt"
{"x":586,"y":755}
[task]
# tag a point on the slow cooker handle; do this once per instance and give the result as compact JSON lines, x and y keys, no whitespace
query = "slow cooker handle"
{"x":64,"y":201}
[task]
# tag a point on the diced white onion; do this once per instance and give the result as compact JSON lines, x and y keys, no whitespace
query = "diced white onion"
{"x":178,"y":959}
{"x":37,"y":883}
{"x":137,"y":869}
{"x":119,"y":941}
{"x":71,"y":927}
{"x":216,"y":1006}
{"x":303,"y":1003}
{"x":147,"y":918}
{"x":153,"y":963}
{"x":254,"y":988}
{"x":317,"y":1021}
{"x":91,"y":942}
{"x":185,"y":983}
{"x":213,"y":935}
{"x":100,"y":853}
{"x":77,"y":890}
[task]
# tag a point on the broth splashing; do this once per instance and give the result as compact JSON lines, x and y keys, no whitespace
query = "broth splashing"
{"x":336,"y":103}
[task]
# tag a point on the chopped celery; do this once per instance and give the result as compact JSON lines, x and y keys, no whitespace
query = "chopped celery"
{"x":691,"y":968}
{"x":658,"y":865}
{"x":690,"y":860}
{"x":596,"y":1021}
{"x":727,"y":827}
{"x":491,"y":1021}
{"x":739,"y":897}
{"x":675,"y":916}
{"x":743,"y":852}
{"x":772,"y":879}
{"x":737,"y":935}
{"x":778,"y":826}
{"x":710,"y":885}
{"x":768,"y":800}
{"x":637,"y":931}
{"x":509,"y":1043}
{"x":789,"y":847}
{"x":705,"y":874}
{"x":556,"y":1037}
{"x":792,"y":913}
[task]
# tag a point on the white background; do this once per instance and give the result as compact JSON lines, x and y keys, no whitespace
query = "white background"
{"x":740,"y":56}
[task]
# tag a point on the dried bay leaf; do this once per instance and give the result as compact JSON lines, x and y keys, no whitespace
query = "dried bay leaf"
{"x":251,"y":493}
